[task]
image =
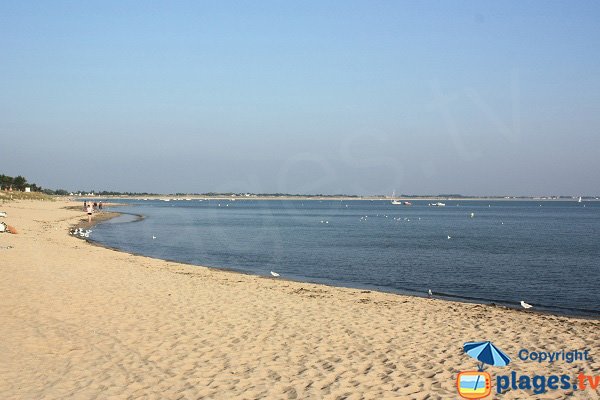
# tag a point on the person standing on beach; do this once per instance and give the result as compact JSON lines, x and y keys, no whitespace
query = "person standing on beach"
{"x":100,"y":206}
{"x":90,"y":210}
{"x":84,"y":205}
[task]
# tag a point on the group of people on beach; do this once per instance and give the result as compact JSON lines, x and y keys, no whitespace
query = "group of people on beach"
{"x":90,"y":208}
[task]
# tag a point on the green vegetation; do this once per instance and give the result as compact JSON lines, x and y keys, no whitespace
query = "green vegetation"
{"x":18,"y":183}
{"x":8,"y":196}
{"x":14,"y":189}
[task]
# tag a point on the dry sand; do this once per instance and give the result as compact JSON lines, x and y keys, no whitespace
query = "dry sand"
{"x":85,"y":322}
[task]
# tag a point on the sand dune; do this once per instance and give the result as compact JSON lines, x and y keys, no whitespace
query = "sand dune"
{"x":85,"y":322}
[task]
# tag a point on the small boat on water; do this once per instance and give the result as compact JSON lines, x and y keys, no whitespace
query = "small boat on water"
{"x":438,"y":204}
{"x":579,"y":201}
{"x":395,"y":201}
{"x":407,"y":203}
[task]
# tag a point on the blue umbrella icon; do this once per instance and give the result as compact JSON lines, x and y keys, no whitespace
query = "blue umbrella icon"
{"x":486,"y":353}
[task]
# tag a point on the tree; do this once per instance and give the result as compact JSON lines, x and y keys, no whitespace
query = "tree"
{"x":19,"y":183}
{"x":5,"y":181}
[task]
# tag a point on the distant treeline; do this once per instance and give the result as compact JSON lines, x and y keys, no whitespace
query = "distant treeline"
{"x":113,"y":193}
{"x":17,"y":183}
{"x":209,"y":194}
{"x":231,"y":194}
{"x":318,"y":195}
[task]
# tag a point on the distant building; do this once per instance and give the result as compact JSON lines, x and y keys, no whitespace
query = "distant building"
{"x":27,"y":189}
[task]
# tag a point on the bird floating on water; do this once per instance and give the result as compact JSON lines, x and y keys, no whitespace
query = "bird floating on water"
{"x":275,"y":274}
{"x":153,"y":237}
{"x":449,"y":237}
{"x":525,"y":305}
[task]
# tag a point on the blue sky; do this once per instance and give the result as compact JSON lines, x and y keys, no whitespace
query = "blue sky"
{"x":471,"y":97}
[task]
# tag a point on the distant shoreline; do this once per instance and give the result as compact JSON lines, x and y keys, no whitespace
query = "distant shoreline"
{"x":322,"y":198}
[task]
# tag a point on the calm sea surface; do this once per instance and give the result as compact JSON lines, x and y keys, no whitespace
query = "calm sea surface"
{"x":546,"y":253}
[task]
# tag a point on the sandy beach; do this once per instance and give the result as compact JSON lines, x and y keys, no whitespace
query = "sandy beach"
{"x":85,"y":322}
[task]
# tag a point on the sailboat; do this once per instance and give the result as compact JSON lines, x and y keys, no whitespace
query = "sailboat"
{"x":394,"y":201}
{"x":579,"y":201}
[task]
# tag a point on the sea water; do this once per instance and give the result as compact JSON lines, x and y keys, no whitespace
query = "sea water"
{"x":544,"y":252}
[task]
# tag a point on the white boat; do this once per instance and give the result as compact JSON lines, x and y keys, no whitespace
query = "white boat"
{"x":579,"y":201}
{"x":394,"y":200}
{"x":438,"y":204}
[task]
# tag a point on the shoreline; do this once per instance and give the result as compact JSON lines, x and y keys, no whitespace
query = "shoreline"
{"x":567,"y":312}
{"x":84,"y":321}
{"x":321,"y":198}
{"x":545,"y":310}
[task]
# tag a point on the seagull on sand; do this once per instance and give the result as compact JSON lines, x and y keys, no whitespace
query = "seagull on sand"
{"x":275,"y":274}
{"x":430,"y":292}
{"x":525,"y":305}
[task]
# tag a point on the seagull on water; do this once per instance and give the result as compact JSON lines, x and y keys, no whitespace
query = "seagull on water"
{"x":449,"y":237}
{"x":153,"y":237}
{"x":275,"y":274}
{"x":525,"y":305}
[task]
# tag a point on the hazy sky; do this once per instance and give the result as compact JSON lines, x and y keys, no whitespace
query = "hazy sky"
{"x":472,"y":97}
